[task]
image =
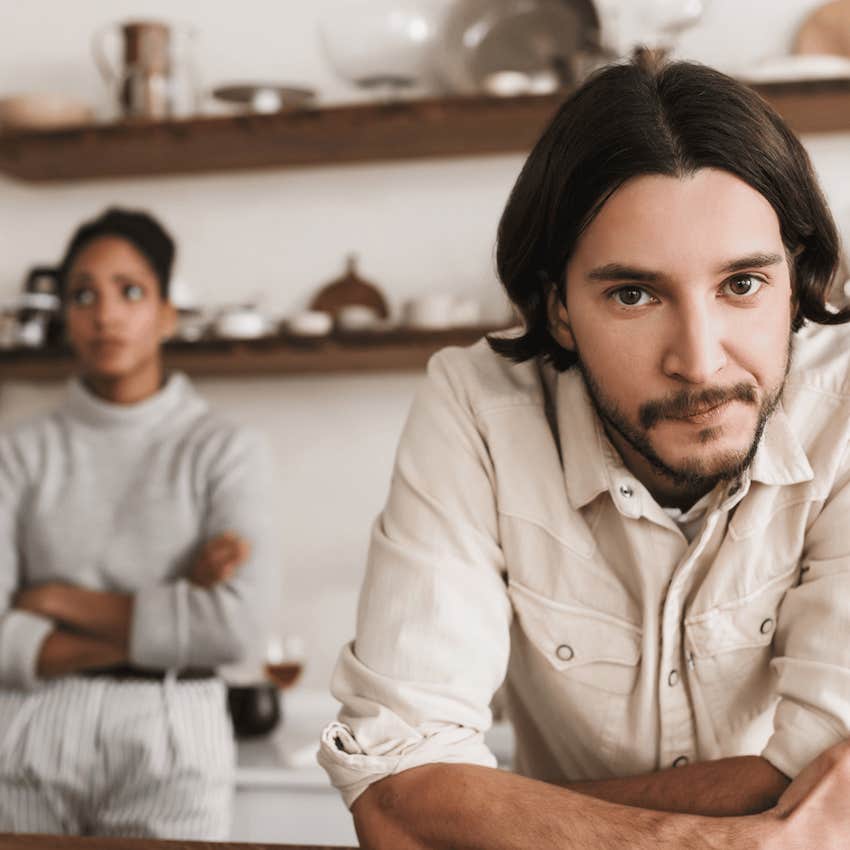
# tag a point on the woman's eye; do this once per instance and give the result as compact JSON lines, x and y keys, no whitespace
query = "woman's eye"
{"x":134,"y":292}
{"x":744,"y":285}
{"x":82,"y":297}
{"x":631,"y":296}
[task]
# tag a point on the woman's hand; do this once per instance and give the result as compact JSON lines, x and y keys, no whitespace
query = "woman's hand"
{"x":218,"y":559}
{"x":98,"y":613}
{"x":45,"y":599}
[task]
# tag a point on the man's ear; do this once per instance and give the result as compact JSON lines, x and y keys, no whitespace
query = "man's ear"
{"x":559,"y":320}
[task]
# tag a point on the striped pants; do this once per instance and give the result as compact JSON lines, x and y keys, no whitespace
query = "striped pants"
{"x":101,"y":756}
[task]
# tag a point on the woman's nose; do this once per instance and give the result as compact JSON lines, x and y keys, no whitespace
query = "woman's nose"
{"x":106,"y":312}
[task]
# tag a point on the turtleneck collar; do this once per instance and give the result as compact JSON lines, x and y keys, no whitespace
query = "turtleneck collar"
{"x":83,"y":405}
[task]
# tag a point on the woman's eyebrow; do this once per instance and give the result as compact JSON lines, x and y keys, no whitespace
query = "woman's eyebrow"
{"x":124,"y":278}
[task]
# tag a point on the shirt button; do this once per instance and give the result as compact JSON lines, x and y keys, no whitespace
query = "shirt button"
{"x":564,"y":652}
{"x":766,"y":626}
{"x":681,"y":761}
{"x":692,"y":662}
{"x":627,"y":491}
{"x":673,"y":678}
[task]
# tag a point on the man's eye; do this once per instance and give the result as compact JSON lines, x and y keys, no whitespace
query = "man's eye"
{"x":744,"y":285}
{"x":134,"y":292}
{"x":631,"y":296}
{"x":83,"y":297}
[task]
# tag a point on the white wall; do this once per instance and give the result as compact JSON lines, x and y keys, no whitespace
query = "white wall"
{"x":282,"y":234}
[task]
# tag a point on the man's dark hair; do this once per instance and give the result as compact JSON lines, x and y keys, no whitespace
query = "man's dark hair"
{"x":139,"y":228}
{"x":641,"y":118}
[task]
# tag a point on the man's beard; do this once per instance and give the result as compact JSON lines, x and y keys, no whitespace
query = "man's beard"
{"x":693,"y":475}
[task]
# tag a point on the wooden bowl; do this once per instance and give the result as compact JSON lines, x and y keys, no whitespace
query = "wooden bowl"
{"x":43,"y":111}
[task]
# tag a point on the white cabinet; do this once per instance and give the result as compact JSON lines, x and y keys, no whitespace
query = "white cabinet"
{"x":287,"y":815}
{"x":282,"y":795}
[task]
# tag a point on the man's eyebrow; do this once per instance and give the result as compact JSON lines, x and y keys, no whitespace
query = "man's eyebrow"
{"x":621,"y":271}
{"x":751,"y":261}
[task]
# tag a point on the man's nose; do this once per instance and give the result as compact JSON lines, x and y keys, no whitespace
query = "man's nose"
{"x":695,"y":351}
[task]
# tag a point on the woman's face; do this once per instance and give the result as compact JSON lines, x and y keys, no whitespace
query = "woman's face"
{"x":114,"y":312}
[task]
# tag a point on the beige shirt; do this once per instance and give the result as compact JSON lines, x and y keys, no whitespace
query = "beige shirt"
{"x":516,"y":543}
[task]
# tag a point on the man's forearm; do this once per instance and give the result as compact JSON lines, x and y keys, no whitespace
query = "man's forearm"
{"x":477,"y":808}
{"x":63,"y":653}
{"x":734,"y":786}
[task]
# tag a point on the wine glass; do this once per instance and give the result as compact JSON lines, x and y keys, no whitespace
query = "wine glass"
{"x":284,"y":661}
{"x":384,"y":47}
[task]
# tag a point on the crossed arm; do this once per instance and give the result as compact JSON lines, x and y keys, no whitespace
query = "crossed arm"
{"x":93,"y":627}
{"x":470,"y":807}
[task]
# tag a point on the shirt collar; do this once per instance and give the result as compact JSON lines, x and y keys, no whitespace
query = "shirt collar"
{"x":592,"y":465}
{"x":780,"y":458}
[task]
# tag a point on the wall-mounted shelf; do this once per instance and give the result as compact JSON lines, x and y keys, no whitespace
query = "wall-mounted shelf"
{"x":444,"y":127}
{"x":396,"y":352}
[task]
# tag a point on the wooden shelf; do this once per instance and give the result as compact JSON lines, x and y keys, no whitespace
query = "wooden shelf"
{"x":447,"y":127}
{"x":391,"y":352}
{"x":344,"y":134}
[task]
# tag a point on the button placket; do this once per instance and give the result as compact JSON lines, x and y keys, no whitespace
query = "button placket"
{"x":676,"y":713}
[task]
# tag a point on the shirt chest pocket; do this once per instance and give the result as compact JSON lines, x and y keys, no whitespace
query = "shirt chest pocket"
{"x":731,"y":642}
{"x":581,"y":644}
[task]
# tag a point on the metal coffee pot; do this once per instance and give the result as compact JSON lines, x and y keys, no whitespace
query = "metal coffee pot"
{"x":156,"y":76}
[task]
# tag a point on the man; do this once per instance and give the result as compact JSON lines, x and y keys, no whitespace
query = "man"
{"x":640,"y":524}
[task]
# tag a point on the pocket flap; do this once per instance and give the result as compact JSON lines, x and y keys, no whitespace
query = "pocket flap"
{"x":747,"y":622}
{"x":571,"y":636}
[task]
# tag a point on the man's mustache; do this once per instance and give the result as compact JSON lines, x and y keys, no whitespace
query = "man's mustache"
{"x":684,"y":404}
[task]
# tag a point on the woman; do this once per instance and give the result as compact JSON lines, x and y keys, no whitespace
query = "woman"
{"x":134,"y":560}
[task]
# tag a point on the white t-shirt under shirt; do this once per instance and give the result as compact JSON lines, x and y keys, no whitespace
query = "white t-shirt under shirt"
{"x":689,"y":521}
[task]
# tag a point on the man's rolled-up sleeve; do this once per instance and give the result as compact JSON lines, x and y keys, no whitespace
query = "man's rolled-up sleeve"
{"x":434,"y":618}
{"x":812,"y":642}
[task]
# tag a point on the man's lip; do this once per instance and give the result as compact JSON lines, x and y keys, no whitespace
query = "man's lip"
{"x":704,"y":414}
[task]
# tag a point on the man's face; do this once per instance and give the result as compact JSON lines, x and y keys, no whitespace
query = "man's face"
{"x":679,"y":305}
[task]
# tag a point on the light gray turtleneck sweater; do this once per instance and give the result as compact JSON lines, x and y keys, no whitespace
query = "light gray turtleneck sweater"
{"x":115,"y":497}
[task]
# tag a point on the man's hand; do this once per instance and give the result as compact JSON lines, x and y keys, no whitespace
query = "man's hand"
{"x":219,"y":559}
{"x":814,"y":812}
